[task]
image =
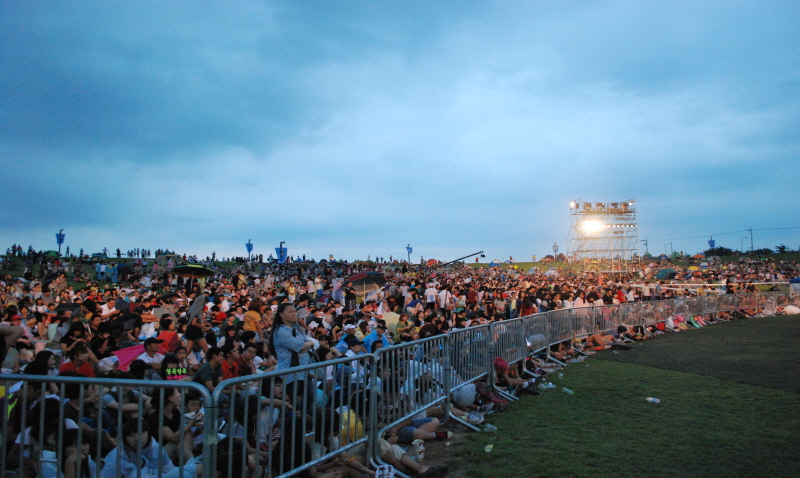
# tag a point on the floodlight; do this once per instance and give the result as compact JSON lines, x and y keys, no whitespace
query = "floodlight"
{"x":572,"y":205}
{"x":591,"y":226}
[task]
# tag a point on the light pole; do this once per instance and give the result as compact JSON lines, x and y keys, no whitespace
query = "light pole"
{"x":408,"y":249}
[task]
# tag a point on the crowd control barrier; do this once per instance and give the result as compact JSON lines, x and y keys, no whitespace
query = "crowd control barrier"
{"x":414,"y":376}
{"x":38,"y":405}
{"x":276,"y":411}
{"x":282,"y":422}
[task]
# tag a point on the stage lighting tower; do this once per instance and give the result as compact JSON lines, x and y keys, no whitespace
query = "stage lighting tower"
{"x":603,"y":235}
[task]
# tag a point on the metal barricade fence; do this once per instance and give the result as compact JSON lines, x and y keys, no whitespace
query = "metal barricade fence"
{"x":128,"y":425}
{"x":632,"y":313}
{"x":695,"y":306}
{"x":708,"y":304}
{"x":649,"y":312}
{"x":782,"y":300}
{"x":583,"y":321}
{"x":748,"y":301}
{"x":508,"y":339}
{"x":267,"y":417}
{"x":682,"y":308}
{"x":560,"y":324}
{"x":609,"y":318}
{"x":726,"y":302}
{"x":627,"y":314}
{"x":414,"y":376}
{"x":537,"y":325}
{"x":469,"y":355}
{"x":792,"y":297}
{"x":665,"y":309}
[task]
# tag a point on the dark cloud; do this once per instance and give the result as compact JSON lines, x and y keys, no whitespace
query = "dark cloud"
{"x":347,"y":127}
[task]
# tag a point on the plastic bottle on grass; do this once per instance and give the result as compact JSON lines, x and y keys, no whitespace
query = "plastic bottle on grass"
{"x":568,"y":391}
{"x":488,"y":448}
{"x":489,"y":428}
{"x":653,"y":400}
{"x":560,"y":375}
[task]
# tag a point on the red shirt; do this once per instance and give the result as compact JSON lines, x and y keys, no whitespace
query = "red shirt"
{"x":229,"y":371}
{"x":171,"y":341}
{"x":86,"y":369}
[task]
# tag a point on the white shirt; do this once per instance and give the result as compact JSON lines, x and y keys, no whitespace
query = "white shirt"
{"x":430,"y":294}
{"x":156,"y":358}
{"x":443,"y":298}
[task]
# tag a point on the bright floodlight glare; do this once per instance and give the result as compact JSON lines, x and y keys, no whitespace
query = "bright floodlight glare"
{"x":572,"y":204}
{"x":591,"y":226}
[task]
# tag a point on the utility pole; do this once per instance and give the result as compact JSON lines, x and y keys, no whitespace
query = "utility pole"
{"x":646,"y":250}
{"x":751,"y":238}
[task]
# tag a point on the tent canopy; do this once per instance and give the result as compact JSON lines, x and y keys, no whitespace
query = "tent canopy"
{"x":666,"y":273}
{"x":570,"y":273}
{"x":364,"y":282}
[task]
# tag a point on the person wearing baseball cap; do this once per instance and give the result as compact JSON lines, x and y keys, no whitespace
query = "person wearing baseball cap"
{"x":150,"y":354}
{"x":355,"y":348}
{"x":349,"y":331}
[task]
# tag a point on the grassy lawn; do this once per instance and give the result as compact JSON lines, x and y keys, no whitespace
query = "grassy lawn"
{"x":705,"y":425}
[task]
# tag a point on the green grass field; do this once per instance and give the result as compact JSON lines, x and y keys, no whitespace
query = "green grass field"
{"x":730,"y":406}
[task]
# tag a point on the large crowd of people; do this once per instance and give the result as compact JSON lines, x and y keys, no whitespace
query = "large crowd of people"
{"x":244,"y":322}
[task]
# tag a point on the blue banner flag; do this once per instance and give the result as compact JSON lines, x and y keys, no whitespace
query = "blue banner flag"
{"x":711,"y":243}
{"x":409,"y":249}
{"x":60,"y":238}
{"x":249,"y":246}
{"x":281,"y":252}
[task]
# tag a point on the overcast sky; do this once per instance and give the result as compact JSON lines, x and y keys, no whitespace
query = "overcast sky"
{"x":355,"y":128}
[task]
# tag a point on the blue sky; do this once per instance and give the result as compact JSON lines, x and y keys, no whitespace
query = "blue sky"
{"x":355,"y":128}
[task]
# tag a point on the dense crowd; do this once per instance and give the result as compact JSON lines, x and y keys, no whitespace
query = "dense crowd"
{"x":241,"y":323}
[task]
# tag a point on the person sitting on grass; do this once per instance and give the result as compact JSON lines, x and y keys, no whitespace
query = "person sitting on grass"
{"x":512,"y":384}
{"x":395,"y":455}
{"x":599,"y":341}
{"x":562,"y":350}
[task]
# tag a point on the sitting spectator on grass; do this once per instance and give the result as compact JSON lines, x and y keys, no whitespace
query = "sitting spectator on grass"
{"x":512,"y":384}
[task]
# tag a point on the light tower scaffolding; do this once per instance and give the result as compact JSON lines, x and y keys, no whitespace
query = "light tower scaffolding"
{"x":604,"y":234}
